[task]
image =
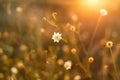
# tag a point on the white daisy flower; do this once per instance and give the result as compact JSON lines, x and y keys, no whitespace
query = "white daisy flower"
{"x":68,"y":65}
{"x":109,"y":44}
{"x":14,"y":70}
{"x":103,"y":12}
{"x":56,"y":37}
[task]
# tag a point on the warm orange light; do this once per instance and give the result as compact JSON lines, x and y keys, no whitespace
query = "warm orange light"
{"x":92,"y":2}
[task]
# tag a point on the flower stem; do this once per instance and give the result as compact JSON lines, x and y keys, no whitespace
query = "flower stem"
{"x":94,"y":33}
{"x":114,"y":65}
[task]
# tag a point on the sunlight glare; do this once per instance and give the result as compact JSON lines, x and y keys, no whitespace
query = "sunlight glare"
{"x":92,"y":2}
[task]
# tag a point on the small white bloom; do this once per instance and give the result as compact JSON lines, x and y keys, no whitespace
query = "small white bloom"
{"x":14,"y":70}
{"x":103,"y":12}
{"x":56,"y":37}
{"x":68,"y":65}
{"x":109,"y":44}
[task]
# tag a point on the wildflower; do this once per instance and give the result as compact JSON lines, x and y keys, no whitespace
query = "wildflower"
{"x":72,"y":28}
{"x":73,"y":50}
{"x":109,"y":44}
{"x":105,"y":66}
{"x":68,"y":65}
{"x":77,"y":77}
{"x":60,"y":62}
{"x":14,"y":70}
{"x":90,"y":59}
{"x":19,"y":9}
{"x":103,"y":12}
{"x":56,"y":37}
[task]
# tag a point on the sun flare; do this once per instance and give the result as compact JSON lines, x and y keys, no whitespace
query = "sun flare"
{"x":93,"y":2}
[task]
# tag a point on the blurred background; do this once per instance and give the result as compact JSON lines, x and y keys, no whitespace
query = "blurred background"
{"x":27,"y":51}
